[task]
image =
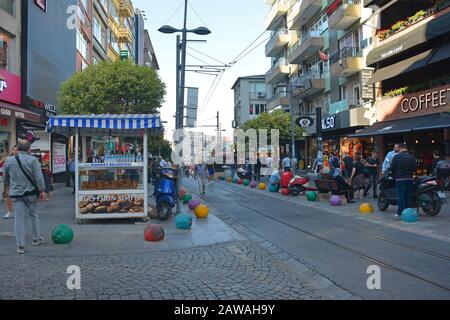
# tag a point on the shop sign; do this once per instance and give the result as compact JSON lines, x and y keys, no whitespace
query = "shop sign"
{"x":415,"y":104}
{"x":4,"y":122}
{"x":367,"y":89}
{"x":305,"y":122}
{"x":10,"y":87}
{"x":43,"y":106}
{"x":329,"y":123}
{"x":59,"y":158}
{"x":111,"y":203}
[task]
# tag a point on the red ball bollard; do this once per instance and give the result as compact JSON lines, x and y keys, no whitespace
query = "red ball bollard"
{"x":154,"y":233}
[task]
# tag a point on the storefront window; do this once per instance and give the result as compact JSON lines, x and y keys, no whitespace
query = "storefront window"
{"x":4,"y":147}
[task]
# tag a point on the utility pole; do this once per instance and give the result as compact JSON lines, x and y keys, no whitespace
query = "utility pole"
{"x":291,"y":107}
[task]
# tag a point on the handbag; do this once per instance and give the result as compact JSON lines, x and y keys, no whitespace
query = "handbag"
{"x":36,"y":189}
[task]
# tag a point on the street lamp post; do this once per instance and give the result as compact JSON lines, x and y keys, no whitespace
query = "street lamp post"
{"x":181,"y":76}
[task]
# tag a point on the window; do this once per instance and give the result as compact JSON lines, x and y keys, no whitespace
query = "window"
{"x":357,"y":95}
{"x":252,"y":109}
{"x":82,"y":45}
{"x":99,"y":32}
{"x":113,"y":11}
{"x":114,"y":42}
{"x":7,"y":5}
{"x":3,"y":53}
{"x":257,"y":87}
{"x":343,"y":93}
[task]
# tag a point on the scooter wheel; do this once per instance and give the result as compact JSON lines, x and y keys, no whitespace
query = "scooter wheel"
{"x":164,"y":211}
{"x":434,"y":211}
{"x":383,"y":203}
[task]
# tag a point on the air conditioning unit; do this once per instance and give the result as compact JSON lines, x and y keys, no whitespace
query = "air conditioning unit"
{"x":261,"y":95}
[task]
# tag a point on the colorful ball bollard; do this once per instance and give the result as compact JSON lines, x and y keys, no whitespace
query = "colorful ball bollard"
{"x":235,"y":180}
{"x":336,"y":201}
{"x":240,"y":182}
{"x":222,"y":178}
{"x":246,"y":182}
{"x":273,"y":189}
{"x":193,"y":204}
{"x":366,"y":208}
{"x":311,"y":196}
{"x":410,"y":215}
{"x":183,"y":192}
{"x":230,"y":180}
{"x":201,"y":212}
{"x":262,"y":186}
{"x":253,"y":185}
{"x":183,"y":221}
{"x":187,"y":198}
{"x":62,"y":234}
{"x":154,"y":233}
{"x":285,"y":192}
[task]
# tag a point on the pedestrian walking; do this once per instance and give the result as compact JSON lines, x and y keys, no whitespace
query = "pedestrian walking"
{"x":25,"y":182}
{"x":372,"y":166}
{"x":357,"y":179}
{"x":71,"y":165}
{"x":257,"y":169}
{"x":201,"y":171}
{"x":286,"y":163}
{"x":9,"y":204}
{"x":388,"y":160}
{"x":347,"y":167}
{"x":48,"y":179}
{"x":403,"y":167}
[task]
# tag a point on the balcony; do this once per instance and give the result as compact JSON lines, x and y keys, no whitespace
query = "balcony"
{"x":278,"y":71}
{"x":312,"y":82}
{"x":279,"y":99}
{"x":125,"y":35}
{"x":114,"y":26}
{"x":346,"y":62}
{"x":343,"y":13}
{"x":277,"y":43}
{"x":302,"y":12}
{"x":279,"y":8}
{"x":308,"y":45}
{"x":258,"y":95}
{"x":126,"y":9}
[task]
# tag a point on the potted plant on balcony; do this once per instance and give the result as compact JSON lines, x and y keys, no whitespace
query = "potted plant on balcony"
{"x":383,"y":34}
{"x":441,"y":4}
{"x":399,"y":26}
{"x":417,"y":17}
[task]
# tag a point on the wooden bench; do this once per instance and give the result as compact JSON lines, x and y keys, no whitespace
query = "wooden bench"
{"x":329,"y":186}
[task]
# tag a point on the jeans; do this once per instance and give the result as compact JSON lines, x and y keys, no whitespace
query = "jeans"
{"x":21,"y":206}
{"x":404,"y":190}
{"x":373,"y":182}
{"x":202,"y":184}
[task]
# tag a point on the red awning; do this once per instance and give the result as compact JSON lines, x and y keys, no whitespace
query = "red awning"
{"x":11,"y":110}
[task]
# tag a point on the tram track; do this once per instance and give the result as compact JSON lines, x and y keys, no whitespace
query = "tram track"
{"x":356,"y":252}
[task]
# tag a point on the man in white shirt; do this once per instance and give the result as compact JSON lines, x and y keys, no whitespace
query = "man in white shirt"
{"x":286,"y":163}
{"x":163,"y":163}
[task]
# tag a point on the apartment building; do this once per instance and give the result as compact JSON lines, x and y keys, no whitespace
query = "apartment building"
{"x":149,"y":52}
{"x":411,"y":56}
{"x":325,"y":66}
{"x":250,"y":101}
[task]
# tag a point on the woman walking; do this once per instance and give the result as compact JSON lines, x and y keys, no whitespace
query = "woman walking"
{"x":358,"y":179}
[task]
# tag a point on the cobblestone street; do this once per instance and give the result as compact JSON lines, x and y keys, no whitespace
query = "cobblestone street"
{"x":238,"y":270}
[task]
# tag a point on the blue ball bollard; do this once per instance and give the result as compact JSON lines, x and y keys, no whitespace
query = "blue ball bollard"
{"x":183,"y":221}
{"x":410,"y":215}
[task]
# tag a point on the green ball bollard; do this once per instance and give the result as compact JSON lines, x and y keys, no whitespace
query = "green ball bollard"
{"x":311,"y":196}
{"x":62,"y":234}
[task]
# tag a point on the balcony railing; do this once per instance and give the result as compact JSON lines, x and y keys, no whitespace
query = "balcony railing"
{"x":345,"y":53}
{"x":305,"y":36}
{"x":420,"y":15}
{"x":126,"y":8}
{"x":339,"y":3}
{"x":275,"y":35}
{"x":279,"y":7}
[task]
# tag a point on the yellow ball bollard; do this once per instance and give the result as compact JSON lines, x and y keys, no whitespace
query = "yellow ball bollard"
{"x":262,"y":186}
{"x":366,"y":208}
{"x":201,"y":212}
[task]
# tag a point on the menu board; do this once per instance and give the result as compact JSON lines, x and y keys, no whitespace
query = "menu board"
{"x":111,"y":203}
{"x":59,"y":158}
{"x":367,"y":89}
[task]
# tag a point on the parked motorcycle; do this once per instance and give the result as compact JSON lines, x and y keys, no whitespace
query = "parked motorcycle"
{"x":299,"y":184}
{"x":165,"y":192}
{"x":426,"y":195}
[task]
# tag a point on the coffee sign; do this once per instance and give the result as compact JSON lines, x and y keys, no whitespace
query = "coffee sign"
{"x":417,"y":104}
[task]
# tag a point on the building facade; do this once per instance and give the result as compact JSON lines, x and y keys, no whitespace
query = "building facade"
{"x":320,"y":49}
{"x":149,"y":52}
{"x":411,"y":56}
{"x":249,"y":98}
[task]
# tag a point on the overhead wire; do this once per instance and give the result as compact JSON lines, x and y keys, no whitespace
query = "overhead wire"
{"x":176,"y":11}
{"x":196,"y":13}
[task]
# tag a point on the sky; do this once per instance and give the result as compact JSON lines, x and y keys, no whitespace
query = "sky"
{"x":235,"y":24}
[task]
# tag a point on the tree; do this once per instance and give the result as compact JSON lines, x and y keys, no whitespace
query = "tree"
{"x":157,"y":145}
{"x":117,"y":88}
{"x":278,"y":120}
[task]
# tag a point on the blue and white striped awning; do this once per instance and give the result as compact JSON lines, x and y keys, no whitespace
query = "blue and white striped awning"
{"x":104,"y":123}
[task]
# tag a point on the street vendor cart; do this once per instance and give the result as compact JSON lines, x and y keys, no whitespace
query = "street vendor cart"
{"x":111,"y":178}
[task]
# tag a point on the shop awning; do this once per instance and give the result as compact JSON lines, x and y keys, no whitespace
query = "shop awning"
{"x":128,"y":124}
{"x":429,"y":122}
{"x":404,"y":66}
{"x":441,"y":53}
{"x":408,"y":40}
{"x":11,"y":110}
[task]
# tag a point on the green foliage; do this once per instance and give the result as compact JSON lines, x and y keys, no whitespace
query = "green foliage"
{"x":418,"y":16}
{"x":157,"y":144}
{"x":117,"y":88}
{"x":418,"y":87}
{"x":399,"y":25}
{"x":276,"y":120}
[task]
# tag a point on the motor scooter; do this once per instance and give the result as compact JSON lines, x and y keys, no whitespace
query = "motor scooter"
{"x":300,"y":184}
{"x":165,"y":192}
{"x":426,"y":194}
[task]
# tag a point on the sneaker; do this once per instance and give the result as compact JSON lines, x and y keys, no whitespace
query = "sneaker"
{"x":8,"y":215}
{"x":396,"y":216}
{"x":38,"y":242}
{"x":20,"y":250}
